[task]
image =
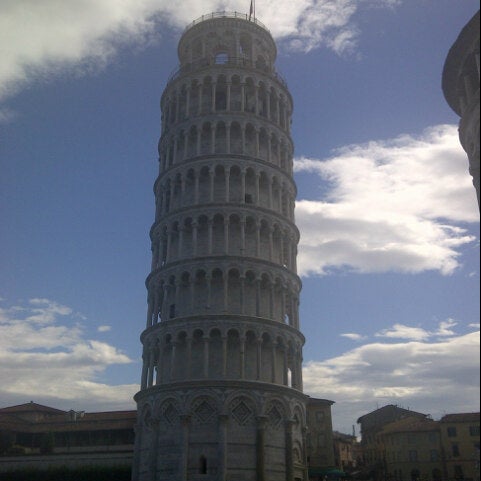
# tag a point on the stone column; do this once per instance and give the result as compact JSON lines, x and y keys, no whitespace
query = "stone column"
{"x":210,"y":223}
{"x":169,"y":245}
{"x":199,"y":141}
{"x":258,"y":197}
{"x":185,"y":422}
{"x":224,"y":356}
{"x":212,"y":138}
{"x":227,"y":184}
{"x":154,"y":448}
{"x":289,"y":451}
{"x":150,"y":312}
{"x":145,"y":369}
{"x":150,"y":380}
{"x":260,"y":449}
{"x":242,"y":353}
{"x":209,"y":290}
{"x":226,"y":290}
{"x":173,"y":360}
{"x":243,"y":186}
{"x":214,"y":91}
{"x":226,"y":235}
{"x":259,"y":359}
{"x":268,"y":100}
{"x":211,"y":187}
{"x":194,"y":237}
{"x":274,"y":362}
{"x":181,"y":242}
{"x":223,"y":420}
{"x":227,"y":135}
{"x":271,"y":243}
{"x":271,"y":180}
{"x":229,"y":84}
{"x":242,"y":294}
{"x":206,"y":356}
{"x":189,"y":356}
{"x":196,"y":187}
{"x":155,"y":311}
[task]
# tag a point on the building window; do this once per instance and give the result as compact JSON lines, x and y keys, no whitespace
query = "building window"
{"x":413,"y":455}
{"x":455,"y":450}
{"x":452,"y":432}
{"x":415,"y":475}
{"x":319,"y":416}
{"x":437,"y":475}
{"x":321,"y":440}
{"x":458,"y":472}
{"x":202,"y":465}
{"x":434,"y":455}
{"x":474,"y":430}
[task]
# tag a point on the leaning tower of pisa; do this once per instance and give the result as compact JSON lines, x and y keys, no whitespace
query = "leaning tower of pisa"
{"x":221,"y":392}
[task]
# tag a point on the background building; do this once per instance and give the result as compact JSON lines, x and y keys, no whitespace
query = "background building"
{"x":221,"y":390}
{"x":41,"y":437}
{"x":411,"y":450}
{"x":372,"y":424}
{"x":411,"y":446}
{"x":320,"y":445}
{"x":460,"y":439}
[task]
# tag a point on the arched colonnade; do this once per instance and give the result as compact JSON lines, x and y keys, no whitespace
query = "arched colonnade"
{"x":213,"y":291}
{"x":227,"y":352}
{"x":225,"y":182}
{"x":232,"y":93}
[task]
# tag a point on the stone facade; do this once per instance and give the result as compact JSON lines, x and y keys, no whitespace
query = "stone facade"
{"x":221,"y":391}
{"x":460,"y":84}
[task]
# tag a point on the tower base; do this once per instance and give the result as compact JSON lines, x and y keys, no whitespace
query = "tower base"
{"x":220,"y":431}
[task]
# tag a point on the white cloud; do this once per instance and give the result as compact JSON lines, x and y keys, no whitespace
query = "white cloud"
{"x":104,"y":328}
{"x":38,"y":38}
{"x":45,"y":355}
{"x":394,"y":205}
{"x":353,"y":336}
{"x":426,"y":376}
{"x":399,"y":331}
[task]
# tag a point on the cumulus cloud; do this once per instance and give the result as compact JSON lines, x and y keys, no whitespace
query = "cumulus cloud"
{"x":45,"y":355}
{"x":430,"y":376}
{"x":396,"y":205}
{"x":38,"y":38}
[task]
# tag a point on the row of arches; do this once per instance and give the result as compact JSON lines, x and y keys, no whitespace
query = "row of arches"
{"x":212,"y":354}
{"x":217,"y":292}
{"x":244,"y":407}
{"x":226,"y":137}
{"x":231,"y":41}
{"x":225,"y":183}
{"x":192,"y":97}
{"x":205,"y":433}
{"x":235,"y":234}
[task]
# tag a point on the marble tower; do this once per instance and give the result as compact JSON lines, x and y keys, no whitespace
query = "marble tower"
{"x":221,"y":395}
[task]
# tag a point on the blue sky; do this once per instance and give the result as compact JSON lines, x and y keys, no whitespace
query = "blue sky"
{"x":389,"y":252}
